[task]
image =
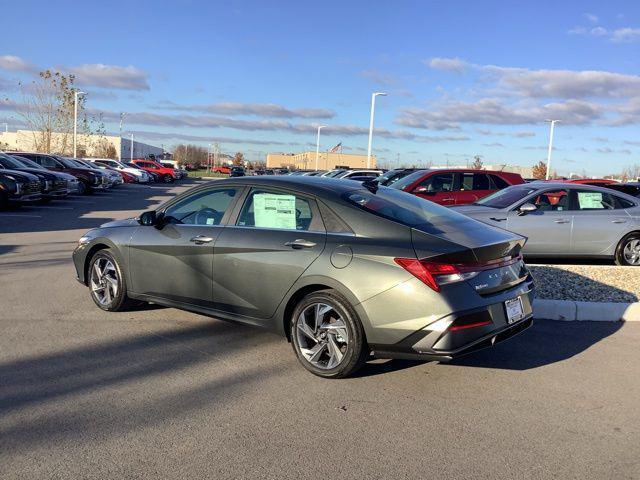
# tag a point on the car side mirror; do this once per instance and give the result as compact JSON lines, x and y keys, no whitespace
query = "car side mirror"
{"x":148,"y":219}
{"x":527,"y":208}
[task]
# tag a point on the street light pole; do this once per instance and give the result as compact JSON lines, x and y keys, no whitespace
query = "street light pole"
{"x":320,"y":127}
{"x":75,"y":121}
{"x":373,"y":108}
{"x":131,"y":152}
{"x":122,"y":115}
{"x":6,"y":127}
{"x":552,"y":124}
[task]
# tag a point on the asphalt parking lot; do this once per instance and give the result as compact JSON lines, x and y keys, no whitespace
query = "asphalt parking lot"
{"x":162,"y":393}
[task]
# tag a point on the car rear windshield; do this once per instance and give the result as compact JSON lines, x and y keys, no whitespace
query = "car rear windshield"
{"x":506,"y":197}
{"x":407,"y":209}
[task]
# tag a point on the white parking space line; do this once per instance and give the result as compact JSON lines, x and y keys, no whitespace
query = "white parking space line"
{"x":75,"y":201}
{"x":19,"y":215}
{"x":56,"y":208}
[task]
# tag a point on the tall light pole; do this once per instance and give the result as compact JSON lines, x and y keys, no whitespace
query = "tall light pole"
{"x":320,"y":127}
{"x":122,"y":115}
{"x":552,"y":124}
{"x":373,"y":109}
{"x":6,"y":127}
{"x":75,"y":121}
{"x":131,"y":152}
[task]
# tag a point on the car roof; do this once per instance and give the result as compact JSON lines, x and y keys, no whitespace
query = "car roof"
{"x":305,"y":184}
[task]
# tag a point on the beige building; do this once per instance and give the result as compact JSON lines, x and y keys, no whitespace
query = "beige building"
{"x":326,"y":160}
{"x":87,"y":146}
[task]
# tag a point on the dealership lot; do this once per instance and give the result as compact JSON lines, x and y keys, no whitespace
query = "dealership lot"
{"x":85,"y":393}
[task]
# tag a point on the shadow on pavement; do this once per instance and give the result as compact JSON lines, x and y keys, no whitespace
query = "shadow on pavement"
{"x":109,"y":368}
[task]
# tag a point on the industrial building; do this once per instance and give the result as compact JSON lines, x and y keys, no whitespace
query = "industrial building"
{"x":326,"y":160}
{"x":87,"y":145}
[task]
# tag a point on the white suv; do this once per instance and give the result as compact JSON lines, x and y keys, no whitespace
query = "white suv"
{"x":140,"y":175}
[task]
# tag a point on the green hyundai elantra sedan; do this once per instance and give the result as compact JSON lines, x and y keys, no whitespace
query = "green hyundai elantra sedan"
{"x":345,"y":271}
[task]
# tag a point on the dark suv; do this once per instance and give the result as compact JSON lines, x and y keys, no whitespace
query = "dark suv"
{"x":90,"y":180}
{"x":237,"y":171}
{"x":18,"y":187}
{"x":53,"y":184}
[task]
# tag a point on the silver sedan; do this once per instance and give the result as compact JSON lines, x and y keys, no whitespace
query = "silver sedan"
{"x":563,"y":219}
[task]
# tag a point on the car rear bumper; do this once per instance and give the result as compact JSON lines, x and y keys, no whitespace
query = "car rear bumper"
{"x":464,"y":331}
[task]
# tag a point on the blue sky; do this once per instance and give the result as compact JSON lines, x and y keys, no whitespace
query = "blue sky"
{"x":464,"y":78}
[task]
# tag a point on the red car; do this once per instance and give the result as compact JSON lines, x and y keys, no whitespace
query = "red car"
{"x":167,"y":175}
{"x":591,"y":181}
{"x":456,"y":186}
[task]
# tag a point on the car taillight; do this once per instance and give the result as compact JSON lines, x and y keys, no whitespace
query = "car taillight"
{"x":435,"y":274}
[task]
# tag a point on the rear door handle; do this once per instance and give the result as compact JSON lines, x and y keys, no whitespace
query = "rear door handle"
{"x":562,"y":221}
{"x":497,"y":219}
{"x":300,"y":243}
{"x":618,"y":221}
{"x":200,"y":239}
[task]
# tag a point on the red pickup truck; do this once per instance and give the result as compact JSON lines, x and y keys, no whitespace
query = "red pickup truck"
{"x":223,"y":169}
{"x":167,"y":175}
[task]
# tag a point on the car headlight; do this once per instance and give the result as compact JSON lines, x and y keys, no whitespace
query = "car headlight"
{"x":83,"y":240}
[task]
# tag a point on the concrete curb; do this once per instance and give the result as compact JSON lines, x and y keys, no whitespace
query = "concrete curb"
{"x":567,"y":310}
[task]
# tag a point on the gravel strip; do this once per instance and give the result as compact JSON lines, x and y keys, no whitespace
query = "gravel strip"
{"x":587,"y":283}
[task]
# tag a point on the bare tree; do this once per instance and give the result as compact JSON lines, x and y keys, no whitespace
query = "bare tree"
{"x":238,"y":159}
{"x":47,"y":110}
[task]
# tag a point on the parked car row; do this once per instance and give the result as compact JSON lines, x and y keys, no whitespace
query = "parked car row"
{"x":27,"y":177}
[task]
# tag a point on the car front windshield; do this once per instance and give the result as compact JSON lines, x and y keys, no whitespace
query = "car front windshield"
{"x":403,"y":183}
{"x":9,"y":162}
{"x":28,"y":163}
{"x":506,"y":197}
{"x":408,"y":210}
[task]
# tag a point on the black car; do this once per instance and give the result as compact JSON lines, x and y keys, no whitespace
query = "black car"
{"x":237,"y":171}
{"x":631,"y":188}
{"x":17,"y":188}
{"x":53,"y":185}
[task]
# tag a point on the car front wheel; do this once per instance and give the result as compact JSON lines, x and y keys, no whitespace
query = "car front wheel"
{"x":628,"y":251}
{"x":327,"y":335}
{"x":107,"y":283}
{"x":167,"y":179}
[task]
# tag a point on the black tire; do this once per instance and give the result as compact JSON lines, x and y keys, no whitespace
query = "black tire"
{"x":620,"y":257}
{"x":44,"y":201}
{"x":4,"y":201}
{"x":82,"y":188}
{"x":120,"y":301}
{"x":356,"y":350}
{"x":167,"y":179}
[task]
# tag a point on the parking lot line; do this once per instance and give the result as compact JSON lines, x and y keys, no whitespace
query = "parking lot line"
{"x":57,"y":208}
{"x":19,"y":215}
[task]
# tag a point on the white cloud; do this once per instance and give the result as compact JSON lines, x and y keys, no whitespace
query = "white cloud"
{"x":598,"y":31}
{"x":379,"y":78}
{"x":591,"y":17}
{"x":625,"y":35}
{"x":455,"y":65}
{"x":258,"y":109}
{"x":16,"y":64}
{"x":110,"y":76}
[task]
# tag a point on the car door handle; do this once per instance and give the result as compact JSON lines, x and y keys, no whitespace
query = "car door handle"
{"x":618,"y":221}
{"x":300,"y":243}
{"x":200,"y":239}
{"x":562,"y":221}
{"x":447,"y":199}
{"x":497,"y":219}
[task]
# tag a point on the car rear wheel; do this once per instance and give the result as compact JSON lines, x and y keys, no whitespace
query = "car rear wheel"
{"x":167,"y":179}
{"x":327,"y":335}
{"x":4,"y":201}
{"x":628,"y":251}
{"x":107,"y":283}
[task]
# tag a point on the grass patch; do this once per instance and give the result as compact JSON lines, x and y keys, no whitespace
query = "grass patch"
{"x":204,"y":173}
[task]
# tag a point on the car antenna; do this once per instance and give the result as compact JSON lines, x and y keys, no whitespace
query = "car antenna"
{"x":370,"y":185}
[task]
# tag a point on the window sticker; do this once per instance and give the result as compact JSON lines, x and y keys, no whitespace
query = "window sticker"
{"x":590,"y":200}
{"x":274,"y":211}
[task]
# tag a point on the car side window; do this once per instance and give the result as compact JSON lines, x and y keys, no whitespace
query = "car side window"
{"x":551,"y":201}
{"x":623,"y":202}
{"x":440,"y":182}
{"x":481,"y":182}
{"x":593,"y":200}
{"x":202,"y":208}
{"x":497,"y":183}
{"x":276,"y":210}
{"x":47,"y":162}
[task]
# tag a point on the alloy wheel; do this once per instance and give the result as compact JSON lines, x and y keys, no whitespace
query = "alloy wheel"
{"x":104,"y":280}
{"x":631,"y":251}
{"x":322,"y":336}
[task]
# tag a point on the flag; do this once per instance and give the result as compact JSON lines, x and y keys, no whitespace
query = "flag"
{"x":335,"y":149}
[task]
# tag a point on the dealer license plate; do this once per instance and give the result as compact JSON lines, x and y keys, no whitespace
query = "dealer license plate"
{"x":515,"y":311}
